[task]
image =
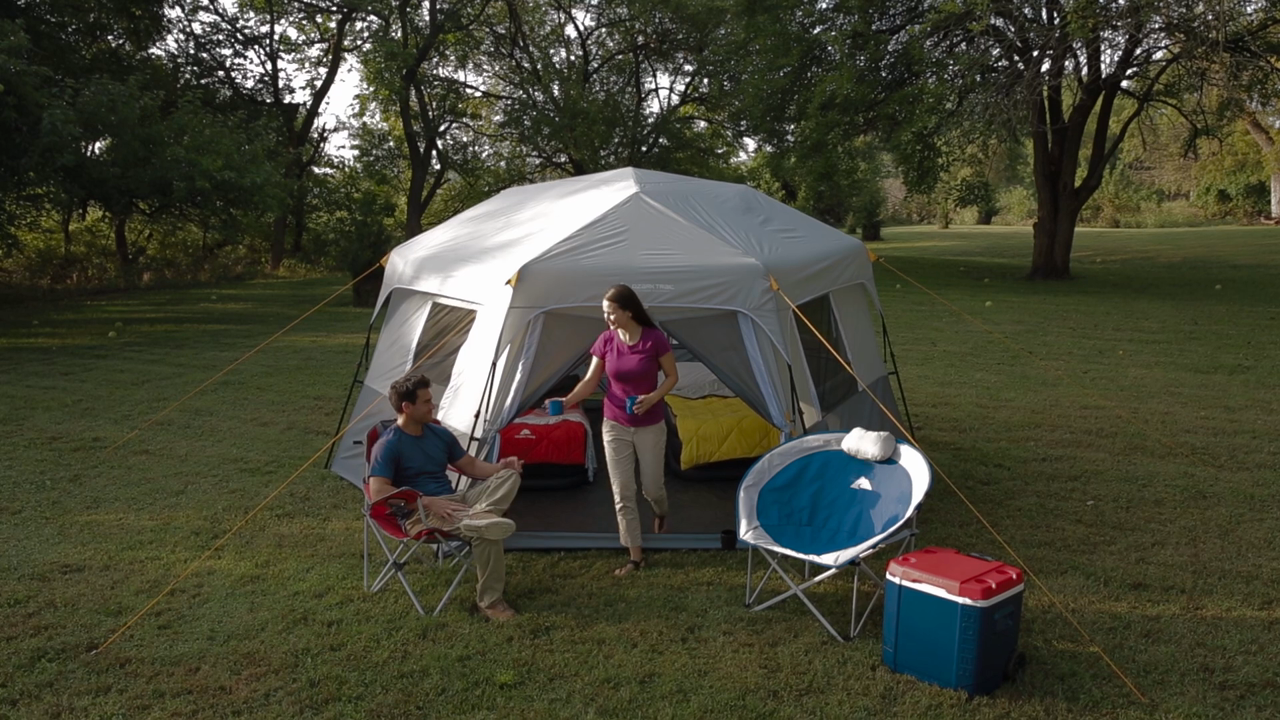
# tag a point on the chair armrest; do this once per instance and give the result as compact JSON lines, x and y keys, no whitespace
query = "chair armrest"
{"x":396,"y":507}
{"x":405,"y":494}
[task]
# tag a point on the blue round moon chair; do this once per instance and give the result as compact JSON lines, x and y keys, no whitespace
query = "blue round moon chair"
{"x":808,"y":500}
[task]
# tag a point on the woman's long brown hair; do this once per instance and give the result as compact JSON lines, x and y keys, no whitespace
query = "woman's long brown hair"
{"x":624,"y":297}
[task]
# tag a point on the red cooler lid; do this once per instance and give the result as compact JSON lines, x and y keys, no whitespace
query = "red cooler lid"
{"x":958,"y":574}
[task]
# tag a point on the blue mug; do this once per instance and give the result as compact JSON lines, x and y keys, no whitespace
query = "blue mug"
{"x":631,"y":404}
{"x":555,"y":407}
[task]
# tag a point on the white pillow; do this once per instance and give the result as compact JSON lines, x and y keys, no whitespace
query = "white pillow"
{"x":869,"y":444}
{"x":697,"y":381}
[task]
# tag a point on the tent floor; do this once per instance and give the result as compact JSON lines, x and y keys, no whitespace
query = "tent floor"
{"x":583,"y":516}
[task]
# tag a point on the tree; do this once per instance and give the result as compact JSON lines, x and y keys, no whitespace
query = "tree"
{"x":1250,"y":79}
{"x":581,"y":86}
{"x":1063,"y":65}
{"x":417,"y":73}
{"x":282,"y":56}
{"x":841,"y":186}
{"x":1265,"y":129}
{"x":830,"y":92}
{"x":357,"y":215}
{"x":51,"y":52}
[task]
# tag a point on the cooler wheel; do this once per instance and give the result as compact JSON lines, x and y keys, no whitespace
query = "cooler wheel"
{"x":1015,"y":667}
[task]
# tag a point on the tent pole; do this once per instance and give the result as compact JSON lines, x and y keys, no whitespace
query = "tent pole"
{"x":355,"y":380}
{"x":893,"y":362}
{"x":484,"y":400}
{"x":795,"y":398}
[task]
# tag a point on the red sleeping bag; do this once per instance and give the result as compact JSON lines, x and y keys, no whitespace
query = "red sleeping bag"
{"x":536,"y":438}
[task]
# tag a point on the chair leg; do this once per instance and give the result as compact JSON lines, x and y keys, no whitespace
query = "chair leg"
{"x":414,"y":598}
{"x":853,"y":611}
{"x":751,"y":597}
{"x":466,"y":565}
{"x":394,"y":567}
{"x":854,"y":629}
{"x":798,"y":591}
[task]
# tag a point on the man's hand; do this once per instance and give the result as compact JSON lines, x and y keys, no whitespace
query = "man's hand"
{"x":446,"y":510}
{"x":512,"y":463}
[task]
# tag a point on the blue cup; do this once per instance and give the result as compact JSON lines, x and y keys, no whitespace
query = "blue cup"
{"x":555,"y":407}
{"x":631,"y":404}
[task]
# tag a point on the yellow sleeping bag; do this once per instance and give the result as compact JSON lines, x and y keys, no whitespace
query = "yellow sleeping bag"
{"x":719,"y":428}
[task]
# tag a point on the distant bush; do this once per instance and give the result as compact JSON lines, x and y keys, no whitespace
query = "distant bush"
{"x":175,"y":253}
{"x":1017,"y":206}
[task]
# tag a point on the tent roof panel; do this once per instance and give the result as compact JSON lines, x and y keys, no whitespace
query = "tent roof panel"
{"x":703,"y":229}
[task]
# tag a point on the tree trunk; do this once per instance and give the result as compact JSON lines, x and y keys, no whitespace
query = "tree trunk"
{"x":1275,"y":196}
{"x":422,"y":194}
{"x":279,"y":231}
{"x":65,"y":222}
{"x":414,"y":208}
{"x":871,"y":232}
{"x":299,"y":224}
{"x":127,"y":260}
{"x":365,"y":292}
{"x":1054,"y":233}
{"x":985,"y":216}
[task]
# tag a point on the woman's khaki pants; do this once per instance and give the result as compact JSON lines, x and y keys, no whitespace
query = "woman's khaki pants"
{"x":624,"y":448}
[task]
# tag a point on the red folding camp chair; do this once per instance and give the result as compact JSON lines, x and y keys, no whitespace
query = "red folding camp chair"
{"x":384,"y":519}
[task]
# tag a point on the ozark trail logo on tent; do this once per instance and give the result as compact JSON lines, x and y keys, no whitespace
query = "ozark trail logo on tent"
{"x":525,"y":434}
{"x":652,"y":286}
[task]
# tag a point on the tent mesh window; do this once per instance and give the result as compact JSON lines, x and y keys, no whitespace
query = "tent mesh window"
{"x":833,"y":383}
{"x":443,"y":334}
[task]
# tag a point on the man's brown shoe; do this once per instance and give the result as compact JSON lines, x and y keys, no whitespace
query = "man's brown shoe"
{"x":499,"y":611}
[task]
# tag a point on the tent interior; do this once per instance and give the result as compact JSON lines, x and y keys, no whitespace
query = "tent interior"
{"x":701,"y":500}
{"x":582,"y":516}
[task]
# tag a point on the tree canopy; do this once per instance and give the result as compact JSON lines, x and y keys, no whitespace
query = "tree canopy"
{"x":189,"y":138}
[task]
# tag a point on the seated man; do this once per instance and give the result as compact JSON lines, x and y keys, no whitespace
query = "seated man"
{"x":415,"y":452}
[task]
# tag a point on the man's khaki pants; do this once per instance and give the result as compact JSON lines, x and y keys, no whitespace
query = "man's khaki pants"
{"x":492,"y":496}
{"x":623,"y":447}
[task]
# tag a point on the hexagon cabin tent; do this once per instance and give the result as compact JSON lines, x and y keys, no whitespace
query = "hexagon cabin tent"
{"x":502,"y":301}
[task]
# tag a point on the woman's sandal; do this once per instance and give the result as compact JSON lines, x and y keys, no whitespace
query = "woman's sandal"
{"x":630,"y":567}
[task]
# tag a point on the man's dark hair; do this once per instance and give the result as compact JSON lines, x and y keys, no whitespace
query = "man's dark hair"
{"x":405,"y":390}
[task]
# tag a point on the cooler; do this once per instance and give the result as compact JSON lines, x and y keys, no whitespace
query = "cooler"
{"x":952,"y":619}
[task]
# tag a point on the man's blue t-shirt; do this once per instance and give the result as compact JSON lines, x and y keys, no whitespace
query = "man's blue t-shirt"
{"x":416,"y":461}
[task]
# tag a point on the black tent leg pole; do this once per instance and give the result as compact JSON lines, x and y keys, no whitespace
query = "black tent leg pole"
{"x":897,"y":376}
{"x":355,"y":379}
{"x":484,"y":400}
{"x":795,"y":399}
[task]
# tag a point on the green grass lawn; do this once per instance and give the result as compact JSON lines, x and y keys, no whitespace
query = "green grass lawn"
{"x":1118,"y":431}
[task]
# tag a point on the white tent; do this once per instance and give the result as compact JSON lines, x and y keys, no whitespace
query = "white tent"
{"x":504,"y":299}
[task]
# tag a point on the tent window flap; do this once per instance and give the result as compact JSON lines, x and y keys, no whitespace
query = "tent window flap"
{"x":833,"y":383}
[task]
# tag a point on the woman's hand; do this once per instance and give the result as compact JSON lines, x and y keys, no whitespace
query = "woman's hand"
{"x":644,"y":402}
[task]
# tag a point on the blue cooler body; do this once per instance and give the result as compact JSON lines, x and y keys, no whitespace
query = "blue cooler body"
{"x":952,"y":619}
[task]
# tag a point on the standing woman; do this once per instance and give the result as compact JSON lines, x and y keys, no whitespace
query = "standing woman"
{"x":630,"y":353}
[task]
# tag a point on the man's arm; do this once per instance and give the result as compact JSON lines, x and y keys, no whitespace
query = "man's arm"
{"x":380,"y":487}
{"x":475,"y":467}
